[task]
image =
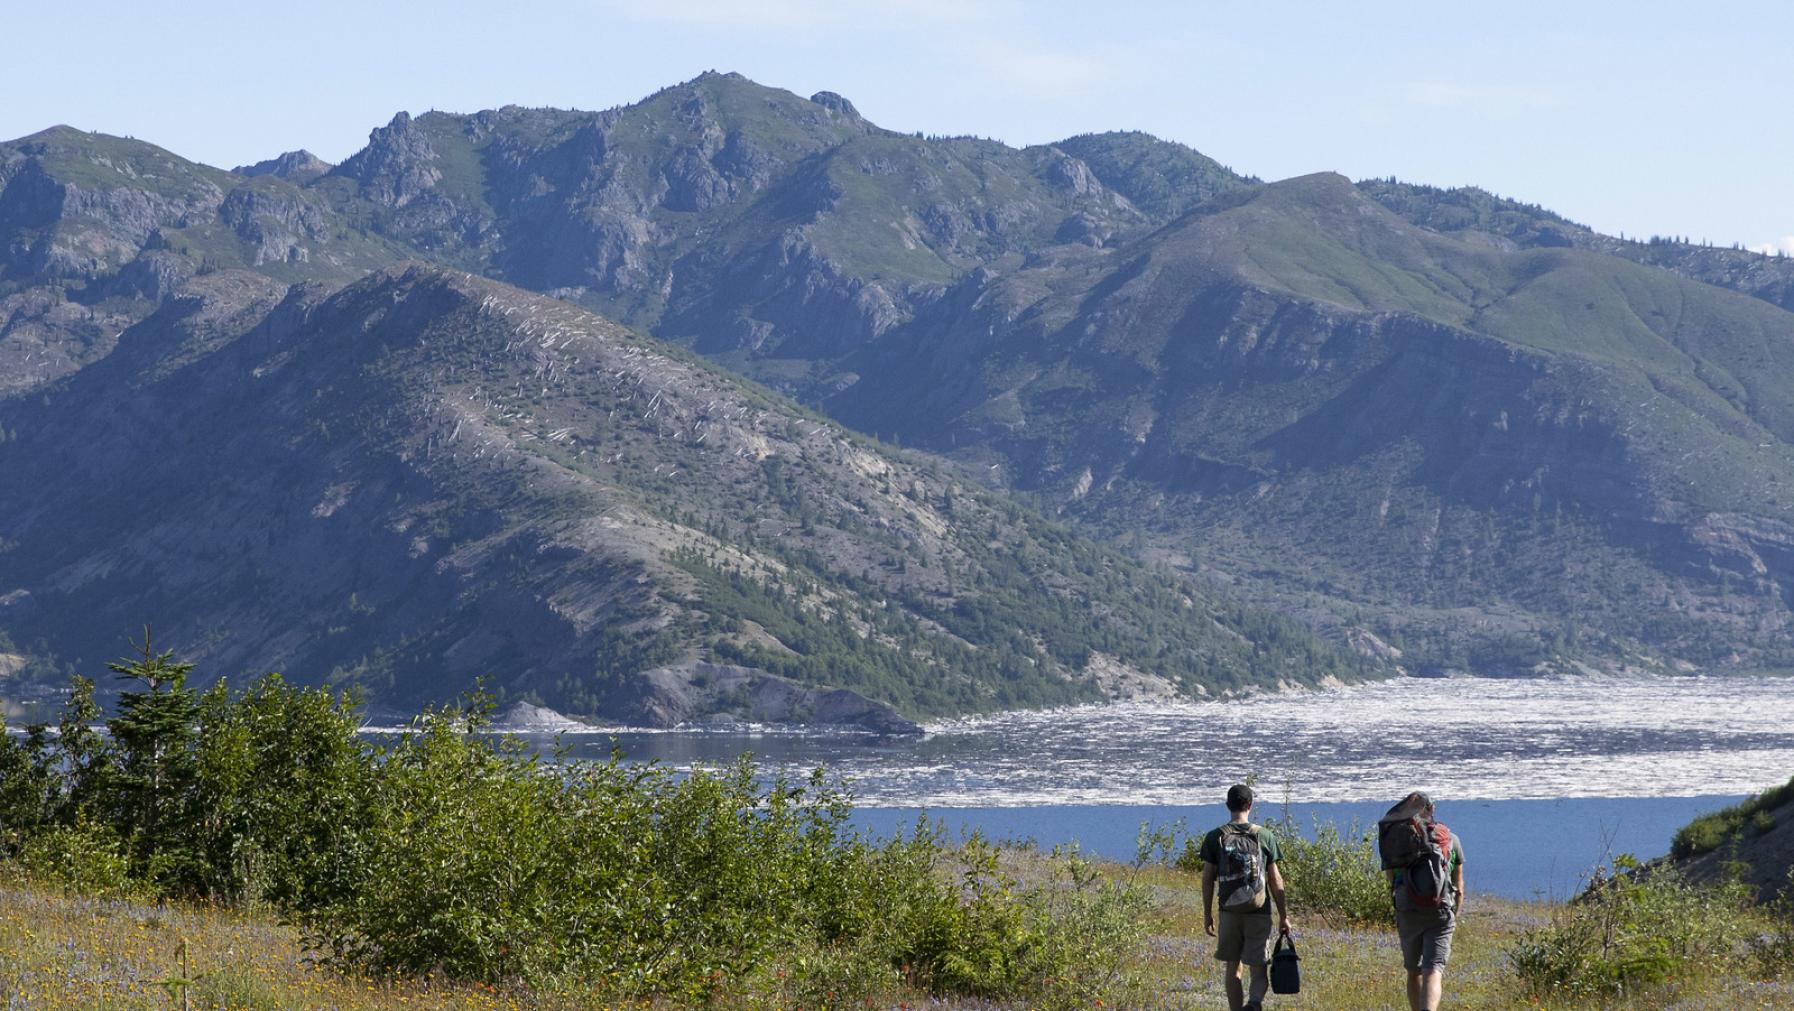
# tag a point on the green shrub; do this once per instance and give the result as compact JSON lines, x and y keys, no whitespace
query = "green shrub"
{"x":1086,"y":928}
{"x":1633,"y":930}
{"x":28,"y":786}
{"x":225,"y":797}
{"x":1334,"y":875}
{"x":455,"y":852}
{"x":1711,"y":831}
{"x":478,"y":862}
{"x":1760,"y":823}
{"x":85,"y":858}
{"x":280,"y":793}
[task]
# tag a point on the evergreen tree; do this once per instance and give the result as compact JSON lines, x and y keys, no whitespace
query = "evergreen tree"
{"x":153,"y":735}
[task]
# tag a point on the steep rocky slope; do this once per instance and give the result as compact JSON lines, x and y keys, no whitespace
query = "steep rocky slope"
{"x":97,"y":231}
{"x":425,"y":478}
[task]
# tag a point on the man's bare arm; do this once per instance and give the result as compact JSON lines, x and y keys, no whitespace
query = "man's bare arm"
{"x":1457,"y":887}
{"x":1208,"y":898}
{"x":1274,"y":879}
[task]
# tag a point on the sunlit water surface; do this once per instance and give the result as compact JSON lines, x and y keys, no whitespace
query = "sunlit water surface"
{"x":1596,"y":766}
{"x":1459,"y":738}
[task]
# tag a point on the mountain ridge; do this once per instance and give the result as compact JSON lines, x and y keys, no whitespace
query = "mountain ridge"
{"x":1469,"y":429}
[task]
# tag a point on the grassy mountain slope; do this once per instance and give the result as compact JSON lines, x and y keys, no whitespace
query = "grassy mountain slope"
{"x":427,"y":477}
{"x":1473,"y":213}
{"x":1486,"y":454}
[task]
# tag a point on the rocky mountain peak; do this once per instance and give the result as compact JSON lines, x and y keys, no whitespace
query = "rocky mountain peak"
{"x":300,"y":166}
{"x":396,"y":166}
{"x":835,"y":103}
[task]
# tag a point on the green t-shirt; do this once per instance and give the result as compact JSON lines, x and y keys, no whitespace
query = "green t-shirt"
{"x":1267,"y":844}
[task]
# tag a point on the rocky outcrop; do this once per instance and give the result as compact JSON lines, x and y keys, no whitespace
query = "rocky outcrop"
{"x":396,"y":167}
{"x":835,"y":103}
{"x":528,"y":718}
{"x":59,"y":231}
{"x":155,"y":275}
{"x":277,"y":223}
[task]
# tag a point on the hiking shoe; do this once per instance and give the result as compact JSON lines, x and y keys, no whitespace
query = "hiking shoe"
{"x":1254,"y":1006}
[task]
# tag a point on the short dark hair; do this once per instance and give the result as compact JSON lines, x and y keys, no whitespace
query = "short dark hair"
{"x":1239,"y":797}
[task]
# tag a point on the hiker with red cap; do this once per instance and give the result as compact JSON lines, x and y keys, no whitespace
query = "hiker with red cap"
{"x":1425,"y":865}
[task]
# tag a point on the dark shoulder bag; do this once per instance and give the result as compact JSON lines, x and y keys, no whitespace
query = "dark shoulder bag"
{"x":1286,"y":970}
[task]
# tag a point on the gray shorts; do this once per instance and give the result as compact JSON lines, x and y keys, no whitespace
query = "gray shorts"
{"x":1426,"y":937}
{"x":1243,"y":937}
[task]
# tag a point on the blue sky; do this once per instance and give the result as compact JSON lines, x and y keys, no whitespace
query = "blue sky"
{"x":1643,"y":116}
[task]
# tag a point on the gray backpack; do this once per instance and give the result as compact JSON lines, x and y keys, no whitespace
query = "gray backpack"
{"x":1421,"y":849}
{"x":1240,"y":874}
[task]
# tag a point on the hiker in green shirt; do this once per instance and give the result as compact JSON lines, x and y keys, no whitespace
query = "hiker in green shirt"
{"x":1240,"y":861}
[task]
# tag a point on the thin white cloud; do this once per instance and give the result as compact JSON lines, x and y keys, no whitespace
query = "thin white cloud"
{"x":1783,"y":245}
{"x":1038,"y":71}
{"x":1484,"y":99}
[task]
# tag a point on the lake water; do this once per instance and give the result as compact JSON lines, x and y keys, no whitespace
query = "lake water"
{"x":1505,"y":841}
{"x":1541,"y":778}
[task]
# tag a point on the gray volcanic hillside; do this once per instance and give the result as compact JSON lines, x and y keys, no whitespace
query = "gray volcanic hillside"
{"x":1440,"y":427}
{"x":426,"y":477}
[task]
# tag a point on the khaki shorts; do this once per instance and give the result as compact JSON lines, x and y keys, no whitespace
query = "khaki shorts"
{"x":1426,"y":937}
{"x":1244,"y":937}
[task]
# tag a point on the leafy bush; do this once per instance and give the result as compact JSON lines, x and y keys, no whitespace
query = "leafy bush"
{"x":28,"y":787}
{"x":1057,"y":941}
{"x":85,"y":858}
{"x":281,"y":778}
{"x":456,"y":852}
{"x":479,"y":862}
{"x":1711,"y":831}
{"x":1633,"y":930}
{"x":1334,"y":875}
